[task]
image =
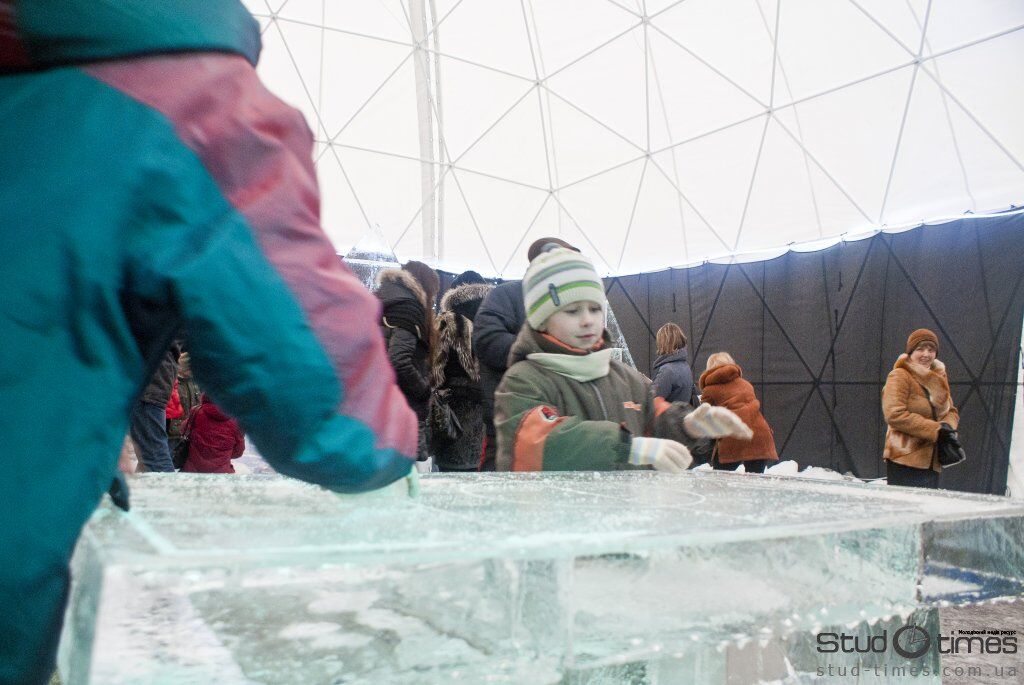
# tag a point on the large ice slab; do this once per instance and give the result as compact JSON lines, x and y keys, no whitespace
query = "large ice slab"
{"x":539,"y":578}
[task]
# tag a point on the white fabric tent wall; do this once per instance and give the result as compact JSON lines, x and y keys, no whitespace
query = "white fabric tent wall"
{"x":651,"y":133}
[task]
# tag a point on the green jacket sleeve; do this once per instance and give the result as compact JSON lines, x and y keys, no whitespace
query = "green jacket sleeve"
{"x":667,"y":422}
{"x":533,"y":435}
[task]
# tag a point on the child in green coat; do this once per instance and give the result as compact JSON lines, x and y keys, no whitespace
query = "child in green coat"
{"x":566,"y":405}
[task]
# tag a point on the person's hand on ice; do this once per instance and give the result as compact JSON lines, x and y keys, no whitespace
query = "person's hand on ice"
{"x":663,"y":455}
{"x":716,"y":422}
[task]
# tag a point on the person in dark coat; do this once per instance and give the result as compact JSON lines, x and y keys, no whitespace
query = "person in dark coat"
{"x":407,"y":321}
{"x":723,"y":385}
{"x":215,"y":439}
{"x":455,"y":377}
{"x":495,"y":328}
{"x":673,"y":377}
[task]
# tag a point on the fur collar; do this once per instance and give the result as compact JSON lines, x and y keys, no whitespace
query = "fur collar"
{"x":454,"y":332}
{"x":404,"y":279}
{"x":933,"y":381}
{"x":464,"y":294}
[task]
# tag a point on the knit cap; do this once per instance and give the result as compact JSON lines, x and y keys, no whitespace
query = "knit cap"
{"x":556,"y":279}
{"x":919,"y":336}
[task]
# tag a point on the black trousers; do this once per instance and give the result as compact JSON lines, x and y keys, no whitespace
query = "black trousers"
{"x":752,"y":466}
{"x":908,"y":476}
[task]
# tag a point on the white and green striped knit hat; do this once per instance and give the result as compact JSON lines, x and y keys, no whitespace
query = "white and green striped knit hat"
{"x":554,"y":280}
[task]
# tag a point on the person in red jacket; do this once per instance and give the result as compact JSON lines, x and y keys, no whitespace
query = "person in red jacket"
{"x":215,"y":439}
{"x":722,"y":385}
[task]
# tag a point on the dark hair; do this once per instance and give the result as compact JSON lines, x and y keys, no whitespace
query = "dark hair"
{"x":670,"y":338}
{"x":537,"y":246}
{"x":467,"y":277}
{"x":428,"y":280}
{"x":426,"y":277}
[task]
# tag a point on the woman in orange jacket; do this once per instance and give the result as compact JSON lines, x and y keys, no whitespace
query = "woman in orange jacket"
{"x":723,"y":385}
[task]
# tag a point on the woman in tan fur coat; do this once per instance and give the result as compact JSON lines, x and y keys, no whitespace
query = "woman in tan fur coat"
{"x":919,"y":410}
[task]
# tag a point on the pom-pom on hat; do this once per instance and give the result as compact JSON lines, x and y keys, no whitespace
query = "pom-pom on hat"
{"x":557,"y":278}
{"x":922,"y":335}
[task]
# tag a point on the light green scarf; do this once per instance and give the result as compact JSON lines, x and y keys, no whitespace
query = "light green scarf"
{"x":583,"y":368}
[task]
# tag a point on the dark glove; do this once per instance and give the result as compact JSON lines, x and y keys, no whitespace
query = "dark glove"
{"x":119,"y":491}
{"x":948,"y":434}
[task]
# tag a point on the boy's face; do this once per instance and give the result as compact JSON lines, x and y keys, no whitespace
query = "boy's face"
{"x":579,"y":324}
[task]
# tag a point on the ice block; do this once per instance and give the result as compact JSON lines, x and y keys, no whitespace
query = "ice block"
{"x":520,"y":578}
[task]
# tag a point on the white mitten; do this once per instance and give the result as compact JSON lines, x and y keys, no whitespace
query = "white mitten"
{"x":663,"y":455}
{"x":716,"y":422}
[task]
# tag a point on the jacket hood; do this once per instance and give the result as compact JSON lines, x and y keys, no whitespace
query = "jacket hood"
{"x":529,"y":341}
{"x":720,"y":375}
{"x":465,"y":299}
{"x":677,"y":356}
{"x":397,"y":284}
{"x":213,"y":411}
{"x":48,"y":33}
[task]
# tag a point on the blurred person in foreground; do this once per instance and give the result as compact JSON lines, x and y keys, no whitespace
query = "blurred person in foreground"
{"x":152,"y":185}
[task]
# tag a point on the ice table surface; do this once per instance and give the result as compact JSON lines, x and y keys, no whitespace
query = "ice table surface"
{"x":508,"y":577}
{"x":186,"y":517}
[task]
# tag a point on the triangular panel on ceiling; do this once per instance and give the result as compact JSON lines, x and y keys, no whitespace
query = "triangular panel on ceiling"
{"x":605,"y":222}
{"x":389,"y":121}
{"x":306,"y":11}
{"x":291,"y":58}
{"x":781,"y":205}
{"x":836,"y":208}
{"x":904,"y":20}
{"x":952,"y":24}
{"x":824,"y":44}
{"x":475,"y":99}
{"x":660,"y":226}
{"x":562,"y":32}
{"x":386,"y":19}
{"x":928,"y":178}
{"x":492,"y":34}
{"x":341,"y":213}
{"x":608,"y":84}
{"x":732,"y":36}
{"x":994,"y":179}
{"x":389,"y":190}
{"x":713,"y":172}
{"x":514,"y":148}
{"x":509,"y":217}
{"x":859,"y":160}
{"x":686,"y":98}
{"x":465,"y":230}
{"x":977,"y":78}
{"x":580,"y":146}
{"x":347,"y":90}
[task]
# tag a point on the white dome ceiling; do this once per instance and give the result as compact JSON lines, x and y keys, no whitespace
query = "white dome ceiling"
{"x":651,"y":134}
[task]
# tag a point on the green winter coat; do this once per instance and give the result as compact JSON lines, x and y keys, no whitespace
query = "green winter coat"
{"x":546,"y":421}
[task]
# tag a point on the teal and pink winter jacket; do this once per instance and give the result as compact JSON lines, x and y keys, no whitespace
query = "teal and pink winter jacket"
{"x":149,"y":183}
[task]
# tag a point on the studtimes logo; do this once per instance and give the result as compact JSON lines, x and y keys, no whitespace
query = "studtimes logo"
{"x":913,"y":642}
